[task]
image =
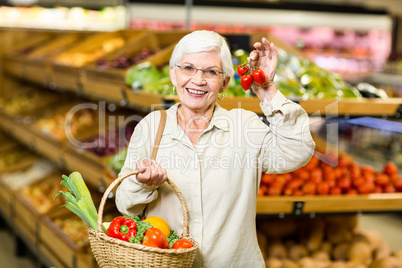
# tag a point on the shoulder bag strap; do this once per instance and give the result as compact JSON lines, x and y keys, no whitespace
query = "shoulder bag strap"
{"x":158,"y":137}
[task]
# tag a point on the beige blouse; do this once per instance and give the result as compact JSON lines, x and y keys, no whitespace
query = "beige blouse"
{"x":219,"y":177}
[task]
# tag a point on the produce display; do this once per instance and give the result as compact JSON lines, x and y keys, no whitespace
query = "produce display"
{"x":115,"y":162}
{"x":145,"y":76}
{"x":323,"y":242}
{"x":78,"y":59}
{"x":9,"y":158}
{"x":297,"y":79}
{"x":125,"y":61}
{"x":24,"y":177}
{"x":30,"y":101}
{"x":319,"y":178}
{"x":57,"y":124}
{"x":111,"y":142}
{"x":74,"y":228}
{"x":41,"y":194}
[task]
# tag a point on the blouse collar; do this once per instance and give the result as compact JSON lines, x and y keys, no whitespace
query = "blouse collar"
{"x":219,"y":120}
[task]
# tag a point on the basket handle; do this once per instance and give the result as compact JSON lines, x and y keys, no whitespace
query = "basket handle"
{"x":135,"y":172}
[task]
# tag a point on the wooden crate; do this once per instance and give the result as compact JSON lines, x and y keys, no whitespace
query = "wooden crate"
{"x":92,"y":172}
{"x":14,"y":60}
{"x":68,"y":77}
{"x":63,"y":250}
{"x":26,"y":215}
{"x":110,"y":83}
{"x":7,"y":198}
{"x":37,"y":65}
{"x":26,"y":212}
{"x":329,"y":204}
{"x":14,"y":66}
{"x":54,"y":241}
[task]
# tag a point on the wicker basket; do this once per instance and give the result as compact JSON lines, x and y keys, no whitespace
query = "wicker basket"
{"x":112,"y":252}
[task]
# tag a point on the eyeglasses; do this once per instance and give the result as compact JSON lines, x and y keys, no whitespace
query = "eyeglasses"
{"x":209,"y":73}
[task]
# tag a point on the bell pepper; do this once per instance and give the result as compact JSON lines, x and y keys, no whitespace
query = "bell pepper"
{"x":122,"y":228}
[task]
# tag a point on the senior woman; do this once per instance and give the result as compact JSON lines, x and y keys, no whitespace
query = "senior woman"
{"x":213,"y":155}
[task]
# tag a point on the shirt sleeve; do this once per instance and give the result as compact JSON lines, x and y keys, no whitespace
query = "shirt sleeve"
{"x":288,"y":145}
{"x":131,"y":195}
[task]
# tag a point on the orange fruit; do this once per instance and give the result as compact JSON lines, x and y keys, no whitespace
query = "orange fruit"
{"x":159,"y":223}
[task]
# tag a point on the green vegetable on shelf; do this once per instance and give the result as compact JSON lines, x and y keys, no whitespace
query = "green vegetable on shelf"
{"x":141,"y":75}
{"x":79,"y":200}
{"x":116,"y":162}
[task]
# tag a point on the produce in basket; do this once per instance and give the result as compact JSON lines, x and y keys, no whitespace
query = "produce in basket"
{"x":79,"y":199}
{"x":122,"y":228}
{"x":153,"y":232}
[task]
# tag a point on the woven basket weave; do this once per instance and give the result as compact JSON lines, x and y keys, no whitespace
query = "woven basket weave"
{"x":112,"y":252}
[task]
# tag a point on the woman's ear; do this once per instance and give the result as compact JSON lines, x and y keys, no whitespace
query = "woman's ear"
{"x":172,"y":75}
{"x":225,"y":84}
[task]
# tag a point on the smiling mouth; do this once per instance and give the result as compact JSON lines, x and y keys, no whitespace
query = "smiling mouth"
{"x":196,"y":92}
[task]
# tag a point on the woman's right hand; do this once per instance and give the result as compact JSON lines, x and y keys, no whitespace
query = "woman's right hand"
{"x":150,"y":172}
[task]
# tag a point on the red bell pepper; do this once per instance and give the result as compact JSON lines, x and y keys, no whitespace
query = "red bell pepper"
{"x":122,"y":228}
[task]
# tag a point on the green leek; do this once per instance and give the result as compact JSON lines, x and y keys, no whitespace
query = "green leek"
{"x":79,"y":199}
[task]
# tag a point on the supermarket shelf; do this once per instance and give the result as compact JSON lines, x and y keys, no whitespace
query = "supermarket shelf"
{"x":93,"y":172}
{"x":321,"y":107}
{"x":353,"y":107}
{"x":108,"y":86}
{"x":298,"y":205}
{"x":10,"y":211}
{"x":391,"y":107}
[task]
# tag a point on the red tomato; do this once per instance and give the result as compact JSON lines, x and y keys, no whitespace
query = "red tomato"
{"x":367,"y":171}
{"x":182,"y":243}
{"x":389,"y":189}
{"x":398,"y":185}
{"x":323,"y":188}
{"x":259,"y":76}
{"x":313,"y":163}
{"x":156,"y":237}
{"x":287,"y":191}
{"x":382,"y":179}
{"x":336,"y":190}
{"x":295,"y":184}
{"x":309,"y":188}
{"x":262,"y":190}
{"x":352,"y":192}
{"x":378,"y":189}
{"x":391,"y":169}
{"x":355,"y":170}
{"x":267,"y":179}
{"x":344,"y":161}
{"x":242,"y":70}
{"x":274,"y":191}
{"x":365,"y":188}
{"x":344,"y":183}
{"x":316,"y":175}
{"x":297,"y":192}
{"x":246,"y":81}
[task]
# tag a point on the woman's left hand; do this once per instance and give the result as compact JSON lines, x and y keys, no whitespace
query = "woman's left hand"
{"x":265,"y":57}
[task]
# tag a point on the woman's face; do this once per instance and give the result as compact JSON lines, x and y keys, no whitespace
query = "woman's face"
{"x":198,"y":92}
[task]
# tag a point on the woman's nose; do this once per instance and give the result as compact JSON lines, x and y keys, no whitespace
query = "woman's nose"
{"x":199,"y":77}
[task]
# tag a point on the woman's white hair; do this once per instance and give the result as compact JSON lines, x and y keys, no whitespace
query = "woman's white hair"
{"x":201,"y":41}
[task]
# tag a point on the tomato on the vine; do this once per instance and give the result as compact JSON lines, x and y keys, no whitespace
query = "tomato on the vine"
{"x":242,"y":70}
{"x":154,"y":237}
{"x":259,"y":76}
{"x":182,"y":243}
{"x":246,"y":81}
